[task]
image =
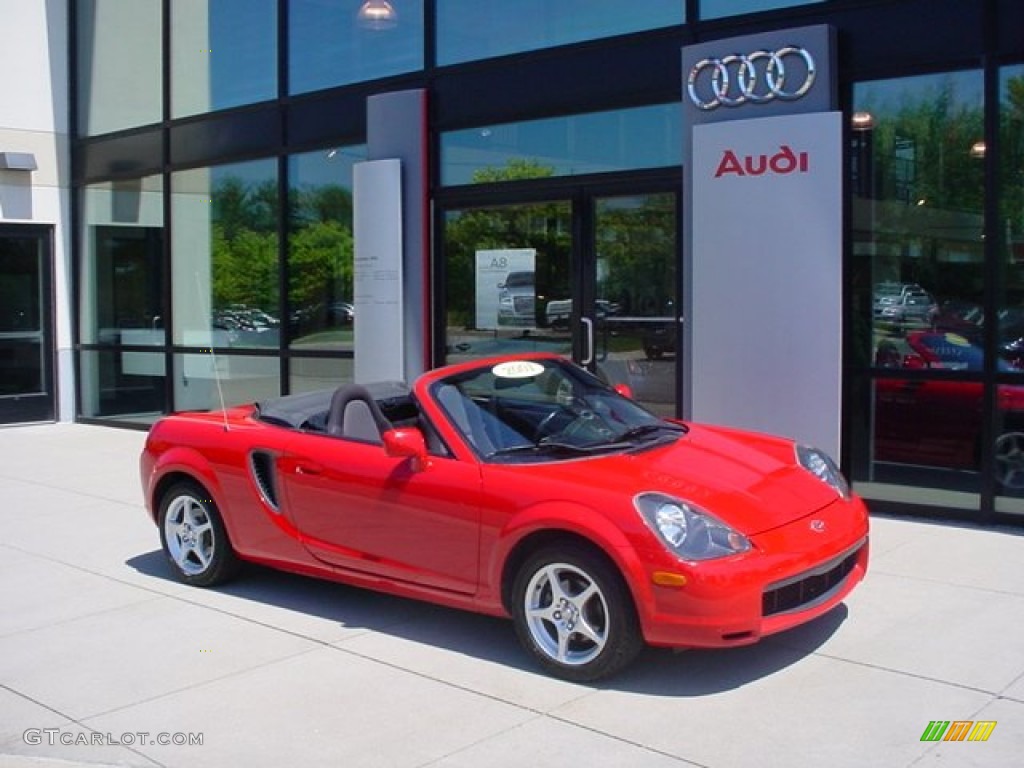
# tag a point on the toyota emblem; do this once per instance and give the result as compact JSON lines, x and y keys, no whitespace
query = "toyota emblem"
{"x":818,"y":526}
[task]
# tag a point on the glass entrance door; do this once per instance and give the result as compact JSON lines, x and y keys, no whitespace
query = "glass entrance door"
{"x":26,"y":327}
{"x":633,"y":313}
{"x":509,"y":285}
{"x":592,"y":277}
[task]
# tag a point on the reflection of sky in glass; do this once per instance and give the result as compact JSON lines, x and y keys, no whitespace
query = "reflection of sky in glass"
{"x":889,"y":97}
{"x":243,"y":59}
{"x":601,"y":142}
{"x":715,"y":9}
{"x":327,"y":47}
{"x":326,"y":166}
{"x":476,"y":29}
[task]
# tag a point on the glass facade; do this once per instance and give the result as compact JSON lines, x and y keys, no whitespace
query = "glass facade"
{"x":469,"y":29}
{"x":119,"y":67}
{"x":333,"y":43}
{"x":122,"y":299}
{"x":223,"y":54}
{"x":215,"y":237}
{"x":603,"y":142}
{"x":320,"y":249}
{"x":1009,"y":228}
{"x":224,"y":275}
{"x":716,"y":9}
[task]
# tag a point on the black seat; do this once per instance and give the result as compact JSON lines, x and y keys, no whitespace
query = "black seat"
{"x":354,"y":414}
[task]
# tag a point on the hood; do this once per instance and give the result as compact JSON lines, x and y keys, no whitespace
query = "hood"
{"x":751,"y":482}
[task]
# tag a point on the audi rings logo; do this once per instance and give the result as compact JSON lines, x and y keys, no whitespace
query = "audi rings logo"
{"x":756,"y":78}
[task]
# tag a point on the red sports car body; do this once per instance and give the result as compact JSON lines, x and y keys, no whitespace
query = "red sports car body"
{"x":516,"y":486}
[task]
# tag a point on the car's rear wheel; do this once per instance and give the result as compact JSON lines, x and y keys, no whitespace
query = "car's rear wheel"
{"x":193,"y":536}
{"x":574,"y":614}
{"x":1010,"y":460}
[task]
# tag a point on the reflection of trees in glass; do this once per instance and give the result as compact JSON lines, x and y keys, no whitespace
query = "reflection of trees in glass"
{"x":1011,"y":162}
{"x":245,"y":248}
{"x":244,"y":244}
{"x":926,"y":182}
{"x":922,"y":150}
{"x":638,"y":246}
{"x":320,"y":246}
{"x":542,"y":226}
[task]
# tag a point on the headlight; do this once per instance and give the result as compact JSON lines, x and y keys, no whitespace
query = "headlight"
{"x":687,"y":530}
{"x":820,"y":464}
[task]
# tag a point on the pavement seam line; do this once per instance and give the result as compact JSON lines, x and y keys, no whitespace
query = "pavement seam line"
{"x":75,"y":721}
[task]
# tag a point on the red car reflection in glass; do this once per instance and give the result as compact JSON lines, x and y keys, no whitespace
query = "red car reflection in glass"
{"x":938,"y":422}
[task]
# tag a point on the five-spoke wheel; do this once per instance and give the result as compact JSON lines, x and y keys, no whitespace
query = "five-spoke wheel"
{"x":574,"y":613}
{"x":193,"y":536}
{"x":1010,"y":460}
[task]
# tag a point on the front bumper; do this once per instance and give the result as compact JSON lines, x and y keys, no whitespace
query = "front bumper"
{"x":793,"y":574}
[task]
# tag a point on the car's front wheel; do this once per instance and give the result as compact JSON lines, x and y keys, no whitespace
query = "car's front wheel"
{"x":574,"y":614}
{"x":193,"y":536}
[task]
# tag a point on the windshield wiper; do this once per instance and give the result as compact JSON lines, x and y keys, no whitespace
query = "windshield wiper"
{"x":554,"y":446}
{"x":646,"y":429}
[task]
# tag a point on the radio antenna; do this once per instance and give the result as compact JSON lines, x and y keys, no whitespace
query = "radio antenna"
{"x":213,"y":356}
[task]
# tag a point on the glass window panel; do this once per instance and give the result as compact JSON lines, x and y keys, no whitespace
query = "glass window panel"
{"x":331,"y":45}
{"x":320,"y":249}
{"x":470,"y":29}
{"x":716,"y":9}
{"x":223,"y":54}
{"x":225,"y":265}
{"x":121,"y":278}
{"x":1009,"y":451}
{"x":918,"y":252}
{"x":118,"y":67}
{"x":636,"y":327}
{"x":201,"y":379}
{"x":123,"y":386}
{"x":600,"y":142}
{"x":505,"y":266}
{"x":308,"y":374}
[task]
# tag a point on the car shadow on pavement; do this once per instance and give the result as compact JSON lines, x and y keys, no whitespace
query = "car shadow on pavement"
{"x":268,"y":597}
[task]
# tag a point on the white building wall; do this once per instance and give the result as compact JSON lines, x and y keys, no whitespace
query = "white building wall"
{"x":34,"y":119}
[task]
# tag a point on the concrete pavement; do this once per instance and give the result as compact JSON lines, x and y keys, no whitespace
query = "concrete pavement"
{"x":103,"y":656}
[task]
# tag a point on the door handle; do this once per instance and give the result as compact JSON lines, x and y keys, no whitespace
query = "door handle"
{"x":308,"y":469}
{"x":588,"y":338}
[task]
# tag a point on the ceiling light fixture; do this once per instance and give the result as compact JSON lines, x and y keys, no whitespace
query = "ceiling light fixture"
{"x":377,"y":14}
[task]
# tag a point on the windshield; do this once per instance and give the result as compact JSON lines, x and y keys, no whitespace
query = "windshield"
{"x":544,"y":410}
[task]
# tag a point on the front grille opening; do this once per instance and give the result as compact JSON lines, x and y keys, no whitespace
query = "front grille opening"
{"x":807,"y":590}
{"x":265,"y":476}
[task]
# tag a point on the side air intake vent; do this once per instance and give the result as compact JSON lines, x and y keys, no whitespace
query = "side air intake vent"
{"x":265,"y":476}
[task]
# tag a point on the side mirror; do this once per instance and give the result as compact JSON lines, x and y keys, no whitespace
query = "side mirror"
{"x":406,"y":443}
{"x":624,"y":389}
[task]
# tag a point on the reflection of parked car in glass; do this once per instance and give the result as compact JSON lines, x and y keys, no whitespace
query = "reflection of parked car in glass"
{"x":517,"y":300}
{"x":909,"y":307}
{"x":659,"y":339}
{"x":937,"y":422}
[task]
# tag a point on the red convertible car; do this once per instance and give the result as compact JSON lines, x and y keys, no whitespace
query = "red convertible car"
{"x":516,"y":486}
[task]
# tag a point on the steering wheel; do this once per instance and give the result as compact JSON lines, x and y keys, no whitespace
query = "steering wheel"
{"x":546,"y":426}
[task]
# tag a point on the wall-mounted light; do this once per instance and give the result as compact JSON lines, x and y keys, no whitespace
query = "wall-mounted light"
{"x":377,"y":14}
{"x":978,"y":150}
{"x":17,"y":161}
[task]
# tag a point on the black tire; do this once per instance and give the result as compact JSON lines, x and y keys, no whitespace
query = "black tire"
{"x":193,"y":536}
{"x":586,"y":627}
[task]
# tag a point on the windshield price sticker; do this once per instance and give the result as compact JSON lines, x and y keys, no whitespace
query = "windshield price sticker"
{"x":517,"y":369}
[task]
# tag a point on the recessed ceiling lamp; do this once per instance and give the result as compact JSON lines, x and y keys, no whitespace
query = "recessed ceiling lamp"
{"x":377,"y":14}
